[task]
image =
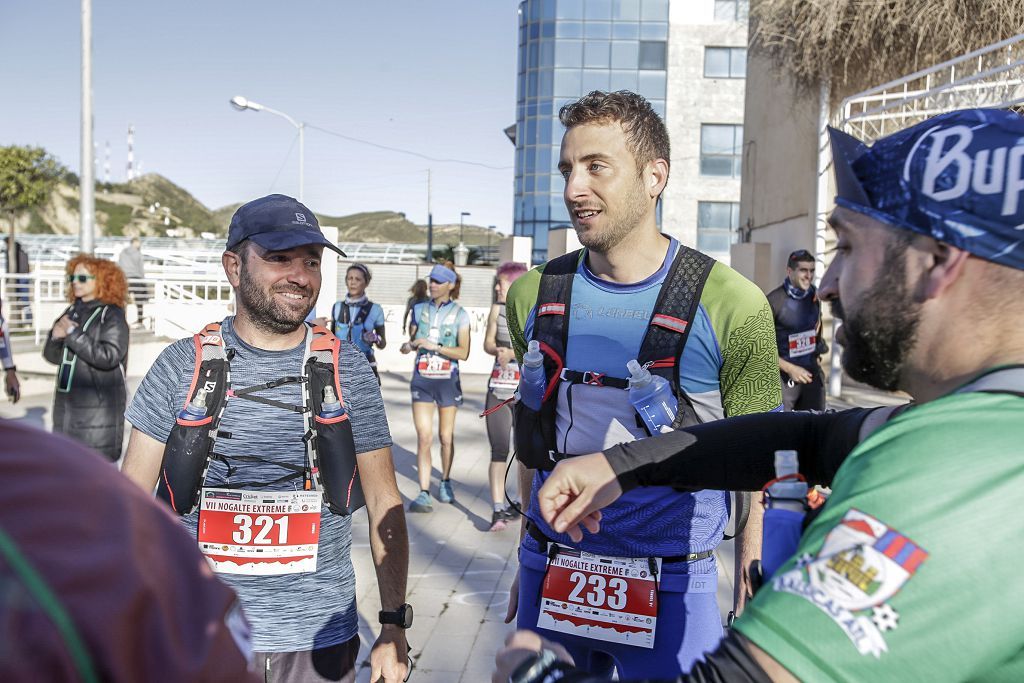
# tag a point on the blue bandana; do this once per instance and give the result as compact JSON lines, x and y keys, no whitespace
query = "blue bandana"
{"x":795,"y":292}
{"x":958,"y":177}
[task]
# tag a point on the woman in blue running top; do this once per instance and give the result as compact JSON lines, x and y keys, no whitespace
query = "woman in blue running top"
{"x":440,"y":338}
{"x":357,"y":319}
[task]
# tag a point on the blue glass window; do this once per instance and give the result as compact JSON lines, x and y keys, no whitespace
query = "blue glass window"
{"x":598,"y":10}
{"x":653,"y":55}
{"x":625,"y":54}
{"x":595,"y":54}
{"x":622,"y":79}
{"x":626,"y":10}
{"x":567,"y":83}
{"x":654,"y":10}
{"x":569,"y":9}
{"x":545,"y":82}
{"x":547,"y":54}
{"x":721,"y":150}
{"x":594,"y":79}
{"x":652,"y":84}
{"x":625,"y":30}
{"x":568,"y":53}
{"x":569,"y":29}
{"x":725,"y":62}
{"x":716,"y":225}
{"x":597,"y":30}
{"x":653,"y":31}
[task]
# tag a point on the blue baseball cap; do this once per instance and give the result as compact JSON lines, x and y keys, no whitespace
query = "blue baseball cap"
{"x":276,"y":222}
{"x":441,"y":274}
{"x":957,"y":177}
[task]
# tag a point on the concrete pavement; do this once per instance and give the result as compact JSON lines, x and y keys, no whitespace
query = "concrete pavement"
{"x":459,"y":572}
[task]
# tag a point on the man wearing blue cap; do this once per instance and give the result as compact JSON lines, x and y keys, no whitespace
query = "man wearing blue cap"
{"x":293,"y":573}
{"x":910,"y":571}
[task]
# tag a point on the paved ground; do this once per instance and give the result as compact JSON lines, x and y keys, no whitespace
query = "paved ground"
{"x":459,"y":572}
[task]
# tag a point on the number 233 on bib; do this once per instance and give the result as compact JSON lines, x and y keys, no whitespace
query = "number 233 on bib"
{"x":614,"y":599}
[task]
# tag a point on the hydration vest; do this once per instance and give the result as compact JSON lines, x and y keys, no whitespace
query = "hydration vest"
{"x":330,"y":450}
{"x":340,"y":314}
{"x":661,"y":349}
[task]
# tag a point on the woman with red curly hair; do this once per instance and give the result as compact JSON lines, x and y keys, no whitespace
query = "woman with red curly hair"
{"x":89,"y":343}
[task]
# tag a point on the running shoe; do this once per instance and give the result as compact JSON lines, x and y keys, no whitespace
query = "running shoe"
{"x":444,"y":492}
{"x":510,"y":513}
{"x":422,"y":503}
{"x":499,"y":521}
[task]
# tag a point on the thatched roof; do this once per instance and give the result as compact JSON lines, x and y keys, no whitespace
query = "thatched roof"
{"x":856,"y":44}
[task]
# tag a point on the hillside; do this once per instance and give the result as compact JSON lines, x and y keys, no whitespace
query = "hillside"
{"x":152,"y":205}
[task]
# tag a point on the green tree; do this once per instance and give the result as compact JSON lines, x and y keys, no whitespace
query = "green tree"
{"x":27,"y":177}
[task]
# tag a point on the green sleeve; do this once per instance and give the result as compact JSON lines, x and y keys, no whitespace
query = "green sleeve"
{"x":521,"y":298}
{"x":743,"y":323}
{"x":911,"y":571}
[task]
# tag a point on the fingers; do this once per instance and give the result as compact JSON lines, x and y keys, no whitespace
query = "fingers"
{"x":513,"y":600}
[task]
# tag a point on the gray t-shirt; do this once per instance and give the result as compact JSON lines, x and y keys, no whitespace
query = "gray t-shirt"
{"x":291,"y":612}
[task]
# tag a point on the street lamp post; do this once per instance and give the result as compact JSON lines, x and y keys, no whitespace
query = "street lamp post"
{"x":490,"y":232}
{"x":461,"y":252}
{"x":241,"y":104}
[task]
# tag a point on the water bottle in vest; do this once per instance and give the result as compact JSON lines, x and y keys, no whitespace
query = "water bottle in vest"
{"x":652,"y":397}
{"x":532,"y":382}
{"x":331,"y":406}
{"x":785,"y":507}
{"x":196,"y":408}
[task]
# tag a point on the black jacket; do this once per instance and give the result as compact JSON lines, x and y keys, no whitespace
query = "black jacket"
{"x":90,"y":395}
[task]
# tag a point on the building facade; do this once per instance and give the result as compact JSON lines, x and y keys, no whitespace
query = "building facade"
{"x":687,"y":57}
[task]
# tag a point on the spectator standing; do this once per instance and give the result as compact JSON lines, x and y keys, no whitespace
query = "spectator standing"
{"x":133,"y":264}
{"x":89,"y":343}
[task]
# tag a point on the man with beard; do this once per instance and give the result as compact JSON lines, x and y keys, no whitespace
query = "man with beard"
{"x":797,"y":314}
{"x":632,"y":293}
{"x":907,"y":572}
{"x":303,"y":613}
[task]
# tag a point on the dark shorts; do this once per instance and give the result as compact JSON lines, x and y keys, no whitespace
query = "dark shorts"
{"x":446,"y":393}
{"x":331,"y":663}
{"x":804,"y":396}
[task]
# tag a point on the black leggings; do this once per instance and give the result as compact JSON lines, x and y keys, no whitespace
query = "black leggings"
{"x":499,"y":428}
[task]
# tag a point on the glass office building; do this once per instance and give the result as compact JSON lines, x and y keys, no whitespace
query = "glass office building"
{"x":567,"y":48}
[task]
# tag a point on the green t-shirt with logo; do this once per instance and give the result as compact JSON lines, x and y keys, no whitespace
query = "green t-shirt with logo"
{"x":914,"y":571}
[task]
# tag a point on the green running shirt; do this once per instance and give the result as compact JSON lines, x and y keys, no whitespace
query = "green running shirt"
{"x":912,"y":572}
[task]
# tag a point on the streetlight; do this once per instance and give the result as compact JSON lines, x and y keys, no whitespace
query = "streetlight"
{"x":241,"y":104}
{"x":490,"y":231}
{"x":461,"y":252}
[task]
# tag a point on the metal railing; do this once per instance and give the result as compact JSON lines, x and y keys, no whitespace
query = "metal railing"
{"x":992,"y":76}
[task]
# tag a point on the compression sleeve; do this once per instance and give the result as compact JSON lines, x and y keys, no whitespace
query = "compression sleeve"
{"x":730,"y":663}
{"x":738,"y":453}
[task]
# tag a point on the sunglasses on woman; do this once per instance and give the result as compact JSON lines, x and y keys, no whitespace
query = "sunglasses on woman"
{"x":82,"y":279}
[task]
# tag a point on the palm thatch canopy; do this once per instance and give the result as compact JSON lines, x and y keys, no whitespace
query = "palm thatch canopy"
{"x":856,"y":44}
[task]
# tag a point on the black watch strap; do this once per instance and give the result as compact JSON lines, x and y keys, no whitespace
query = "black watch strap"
{"x":400,"y":617}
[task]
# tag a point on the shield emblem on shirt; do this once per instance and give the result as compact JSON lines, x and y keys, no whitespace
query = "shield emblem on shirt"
{"x":863,"y":562}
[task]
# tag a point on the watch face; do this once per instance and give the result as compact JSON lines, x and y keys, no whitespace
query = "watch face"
{"x":406,"y":612}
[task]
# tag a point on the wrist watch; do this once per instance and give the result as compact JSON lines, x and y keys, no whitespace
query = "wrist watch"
{"x":400,"y":617}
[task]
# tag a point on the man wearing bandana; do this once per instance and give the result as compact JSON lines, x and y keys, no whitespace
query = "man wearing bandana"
{"x":911,"y":570}
{"x":797,"y":313}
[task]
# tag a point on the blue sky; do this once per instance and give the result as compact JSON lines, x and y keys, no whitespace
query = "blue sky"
{"x":437,"y":78}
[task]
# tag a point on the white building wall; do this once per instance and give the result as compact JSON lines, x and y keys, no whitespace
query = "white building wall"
{"x":692,"y":100}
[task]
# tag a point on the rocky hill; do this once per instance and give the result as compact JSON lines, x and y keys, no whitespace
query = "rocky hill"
{"x":152,"y":205}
